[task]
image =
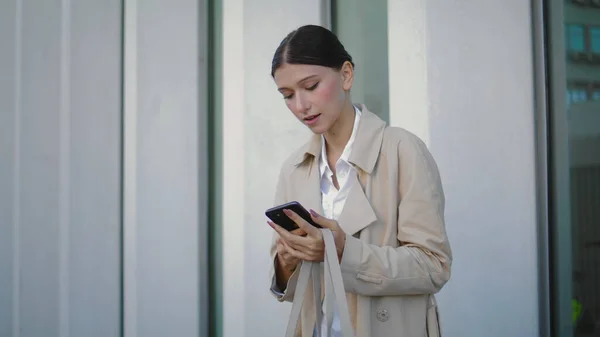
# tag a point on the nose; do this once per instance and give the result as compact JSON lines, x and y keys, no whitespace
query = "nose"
{"x":302,"y":104}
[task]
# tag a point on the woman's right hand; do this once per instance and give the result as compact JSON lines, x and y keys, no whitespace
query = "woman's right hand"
{"x":286,"y":263}
{"x":285,"y":259}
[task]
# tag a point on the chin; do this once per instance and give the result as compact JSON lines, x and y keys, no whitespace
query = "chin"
{"x":318,"y":129}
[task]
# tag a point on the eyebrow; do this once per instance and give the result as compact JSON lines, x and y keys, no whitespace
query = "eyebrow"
{"x":302,"y":80}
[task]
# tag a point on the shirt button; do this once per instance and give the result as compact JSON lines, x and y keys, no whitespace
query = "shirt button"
{"x":382,"y":315}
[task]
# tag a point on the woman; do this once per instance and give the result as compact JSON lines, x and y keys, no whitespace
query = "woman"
{"x":376,"y":187}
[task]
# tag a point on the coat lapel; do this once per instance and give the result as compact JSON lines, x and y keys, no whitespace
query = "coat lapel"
{"x":309,"y":188}
{"x":357,"y":213}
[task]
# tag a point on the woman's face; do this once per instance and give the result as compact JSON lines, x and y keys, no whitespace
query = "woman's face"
{"x":315,"y":94}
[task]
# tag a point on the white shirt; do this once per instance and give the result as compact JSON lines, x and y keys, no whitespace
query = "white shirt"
{"x":333,"y":200}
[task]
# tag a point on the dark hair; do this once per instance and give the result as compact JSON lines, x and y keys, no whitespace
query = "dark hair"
{"x":311,"y":44}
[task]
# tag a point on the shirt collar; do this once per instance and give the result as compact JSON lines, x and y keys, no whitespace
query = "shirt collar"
{"x":323,"y":163}
{"x":369,"y":138}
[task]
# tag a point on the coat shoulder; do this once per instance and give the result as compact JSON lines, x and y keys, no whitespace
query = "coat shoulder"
{"x":294,"y":158}
{"x":394,"y":136}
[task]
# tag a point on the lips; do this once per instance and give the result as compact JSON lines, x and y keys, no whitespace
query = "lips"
{"x":311,"y":117}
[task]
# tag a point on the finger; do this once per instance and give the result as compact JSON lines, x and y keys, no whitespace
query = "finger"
{"x":289,"y":258}
{"x":294,"y":241}
{"x":280,"y":240}
{"x":287,"y":261}
{"x":299,"y":232}
{"x":302,"y":253}
{"x":295,"y":245}
{"x":280,"y":231}
{"x":312,"y":241}
{"x":323,"y":221}
{"x":287,"y":246}
{"x":284,"y":248}
{"x":298,"y":254}
{"x":281,"y":249}
{"x":305,"y":226}
{"x":290,"y":238}
{"x":285,"y":256}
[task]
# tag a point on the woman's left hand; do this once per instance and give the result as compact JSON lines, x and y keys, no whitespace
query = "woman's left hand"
{"x":311,"y":247}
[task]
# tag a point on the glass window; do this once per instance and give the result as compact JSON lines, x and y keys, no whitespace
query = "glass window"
{"x":575,"y":35}
{"x":578,"y":95}
{"x":595,"y":40}
{"x":578,"y":92}
{"x":574,"y":167}
{"x":362,"y":27}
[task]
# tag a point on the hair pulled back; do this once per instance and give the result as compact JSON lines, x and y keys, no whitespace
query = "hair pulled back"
{"x":311,"y":44}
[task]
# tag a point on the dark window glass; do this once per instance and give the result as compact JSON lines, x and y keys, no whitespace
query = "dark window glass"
{"x":595,"y":39}
{"x":575,"y":35}
{"x":574,"y":170}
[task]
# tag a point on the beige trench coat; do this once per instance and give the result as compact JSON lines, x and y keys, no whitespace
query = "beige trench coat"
{"x":397,"y":254}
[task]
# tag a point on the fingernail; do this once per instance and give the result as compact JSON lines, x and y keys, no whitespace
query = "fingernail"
{"x":287,"y":212}
{"x":314,"y":213}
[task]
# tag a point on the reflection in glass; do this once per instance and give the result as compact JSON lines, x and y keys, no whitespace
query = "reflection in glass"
{"x":575,"y":35}
{"x":582,"y":37}
{"x":362,"y":27}
{"x":595,"y":40}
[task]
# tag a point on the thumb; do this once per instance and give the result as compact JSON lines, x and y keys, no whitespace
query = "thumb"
{"x":323,"y":221}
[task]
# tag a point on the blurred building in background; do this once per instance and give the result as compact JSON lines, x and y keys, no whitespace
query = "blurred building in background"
{"x":582,"y":73}
{"x":140,"y":141}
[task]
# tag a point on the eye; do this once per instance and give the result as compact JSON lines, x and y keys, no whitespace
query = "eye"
{"x":313,"y":87}
{"x":286,"y":97}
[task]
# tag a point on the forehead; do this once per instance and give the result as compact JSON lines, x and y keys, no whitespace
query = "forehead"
{"x":289,"y":75}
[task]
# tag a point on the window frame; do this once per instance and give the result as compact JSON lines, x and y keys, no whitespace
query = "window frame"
{"x":542,"y":130}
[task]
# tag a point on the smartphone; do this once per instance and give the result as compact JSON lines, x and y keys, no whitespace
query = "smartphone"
{"x":277,"y":215}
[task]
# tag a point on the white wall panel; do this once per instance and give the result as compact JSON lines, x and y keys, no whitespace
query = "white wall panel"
{"x":461,"y":77}
{"x":60,"y":124}
{"x":165,"y":165}
{"x":258,"y":133}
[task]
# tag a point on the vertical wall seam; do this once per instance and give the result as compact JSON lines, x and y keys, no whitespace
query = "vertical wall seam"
{"x":203,"y":162}
{"x":65,"y":162}
{"x":16,"y":270}
{"x":121,"y":274}
{"x":129,"y":165}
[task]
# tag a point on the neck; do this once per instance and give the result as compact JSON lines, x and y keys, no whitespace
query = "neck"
{"x":339,"y":134}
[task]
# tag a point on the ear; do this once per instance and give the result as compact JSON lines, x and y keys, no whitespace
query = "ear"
{"x":347,"y":73}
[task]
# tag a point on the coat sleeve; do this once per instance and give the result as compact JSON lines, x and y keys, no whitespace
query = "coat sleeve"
{"x":421,"y":264}
{"x":288,"y":293}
